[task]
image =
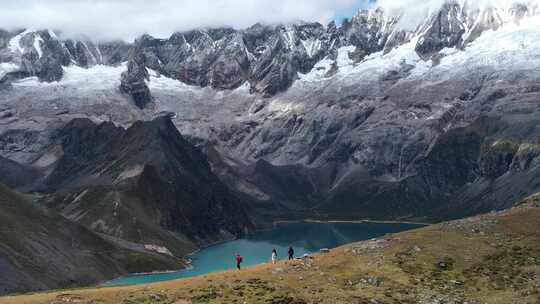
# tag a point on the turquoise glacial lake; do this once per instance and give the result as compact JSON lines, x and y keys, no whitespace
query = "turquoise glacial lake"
{"x":304,"y":237}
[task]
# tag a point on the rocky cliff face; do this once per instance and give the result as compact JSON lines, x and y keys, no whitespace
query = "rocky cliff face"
{"x":133,"y":80}
{"x":140,"y":184}
{"x":41,"y":53}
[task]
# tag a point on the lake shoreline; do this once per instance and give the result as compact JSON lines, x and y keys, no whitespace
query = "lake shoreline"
{"x":186,"y":259}
{"x":349,"y":222}
{"x":275,"y":224}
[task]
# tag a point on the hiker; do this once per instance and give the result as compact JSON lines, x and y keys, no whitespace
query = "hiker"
{"x":274,"y":256}
{"x":291,"y":253}
{"x":238,"y":260}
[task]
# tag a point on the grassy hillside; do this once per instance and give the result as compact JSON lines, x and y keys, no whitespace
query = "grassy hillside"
{"x":40,"y":250}
{"x":494,"y":258}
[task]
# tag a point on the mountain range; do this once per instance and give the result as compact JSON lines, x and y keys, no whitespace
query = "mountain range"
{"x":181,"y":142}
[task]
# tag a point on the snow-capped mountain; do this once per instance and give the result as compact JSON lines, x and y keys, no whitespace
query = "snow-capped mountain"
{"x":269,"y":58}
{"x":370,"y":118}
{"x":41,"y":53}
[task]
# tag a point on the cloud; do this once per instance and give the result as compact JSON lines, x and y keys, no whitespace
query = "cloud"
{"x":127,"y":19}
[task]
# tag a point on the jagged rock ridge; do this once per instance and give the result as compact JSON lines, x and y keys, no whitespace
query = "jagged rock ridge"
{"x":138,"y":184}
{"x":268,"y":57}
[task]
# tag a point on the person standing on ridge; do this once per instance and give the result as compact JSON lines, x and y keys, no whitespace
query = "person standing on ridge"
{"x":238,"y":260}
{"x":291,"y":253}
{"x":274,"y":256}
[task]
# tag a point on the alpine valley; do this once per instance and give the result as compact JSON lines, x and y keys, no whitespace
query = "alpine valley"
{"x":142,"y":152}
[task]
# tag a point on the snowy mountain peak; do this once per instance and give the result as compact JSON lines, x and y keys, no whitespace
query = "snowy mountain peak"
{"x":267,"y":57}
{"x":28,"y":41}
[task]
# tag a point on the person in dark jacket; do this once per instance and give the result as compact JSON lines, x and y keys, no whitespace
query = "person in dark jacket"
{"x":238,"y":260}
{"x":291,"y":253}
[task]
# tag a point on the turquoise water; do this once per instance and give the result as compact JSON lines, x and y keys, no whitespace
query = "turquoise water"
{"x":256,"y":249}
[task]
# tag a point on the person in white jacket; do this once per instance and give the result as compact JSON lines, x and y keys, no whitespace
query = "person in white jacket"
{"x":274,"y":256}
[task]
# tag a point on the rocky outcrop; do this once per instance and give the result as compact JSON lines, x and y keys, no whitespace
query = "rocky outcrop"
{"x":42,"y":55}
{"x":370,"y":31}
{"x":232,"y":64}
{"x":83,"y":54}
{"x":488,"y":19}
{"x":496,"y":159}
{"x":444,"y":29}
{"x":133,"y":80}
{"x":142,"y":183}
{"x":113,"y":52}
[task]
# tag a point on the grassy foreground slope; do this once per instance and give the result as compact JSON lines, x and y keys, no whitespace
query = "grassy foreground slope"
{"x":40,"y":250}
{"x":493,"y":258}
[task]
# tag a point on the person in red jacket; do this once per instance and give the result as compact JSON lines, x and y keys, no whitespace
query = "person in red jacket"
{"x":238,"y":260}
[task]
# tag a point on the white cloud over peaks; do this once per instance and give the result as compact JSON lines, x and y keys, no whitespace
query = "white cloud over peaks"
{"x":414,"y":11}
{"x":127,"y":19}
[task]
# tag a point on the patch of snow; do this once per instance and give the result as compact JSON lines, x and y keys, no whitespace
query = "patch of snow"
{"x":161,"y":82}
{"x":449,"y":51}
{"x":281,"y":107}
{"x":80,"y":196}
{"x":511,"y":47}
{"x":92,"y":57}
{"x":376,"y":64}
{"x":158,"y":249}
{"x":318,"y":72}
{"x":289,"y":37}
{"x":7,"y":67}
{"x":15,"y":42}
{"x":99,"y":54}
{"x":440,"y":112}
{"x":131,"y":172}
{"x":312,"y":46}
{"x":243,"y":89}
{"x":343,"y":62}
{"x":250,"y":55}
{"x":37,"y":45}
{"x":343,"y":59}
{"x":98,"y":77}
{"x":48,"y":158}
{"x":52,"y":34}
{"x":163,"y":86}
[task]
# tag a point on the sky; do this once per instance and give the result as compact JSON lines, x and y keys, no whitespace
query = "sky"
{"x":128,"y":19}
{"x":349,"y":11}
